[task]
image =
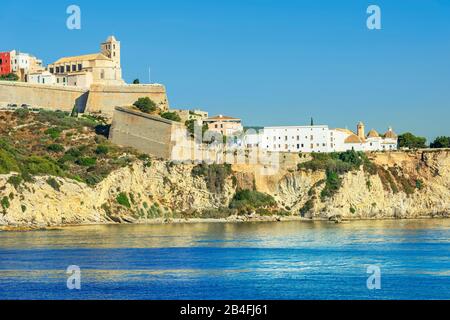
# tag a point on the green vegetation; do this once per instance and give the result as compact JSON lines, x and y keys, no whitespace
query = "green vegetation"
{"x":102,"y":149}
{"x":146,"y":159}
{"x":419,"y":184}
{"x":86,"y":161}
{"x":122,"y":199}
{"x":247,"y":201}
{"x":173,"y":116}
{"x":340,"y":163}
{"x":54,"y":133}
{"x":408,"y":140}
{"x":336,"y":164}
{"x":55,"y":147}
{"x":192,"y":125}
{"x":352,"y":210}
{"x":441,"y":142}
{"x":9,"y":77}
{"x":145,"y":105}
{"x":215,"y":175}
{"x":136,"y":81}
{"x":332,"y":184}
{"x":32,"y":149}
{"x":307,"y":207}
{"x":16,"y":181}
{"x":5,"y":203}
{"x":53,"y":183}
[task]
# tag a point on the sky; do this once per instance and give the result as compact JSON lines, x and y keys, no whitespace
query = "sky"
{"x":269,"y":62}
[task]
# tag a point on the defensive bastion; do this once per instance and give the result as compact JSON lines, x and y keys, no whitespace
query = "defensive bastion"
{"x":98,"y":99}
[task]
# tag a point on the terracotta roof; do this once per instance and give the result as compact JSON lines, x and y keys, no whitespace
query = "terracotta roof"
{"x":221,"y":117}
{"x":353,"y":139}
{"x":373,"y":134}
{"x":87,"y":57}
{"x":345,"y":130}
{"x":390,"y":134}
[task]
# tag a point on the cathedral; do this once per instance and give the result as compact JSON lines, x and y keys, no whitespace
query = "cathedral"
{"x":85,"y":70}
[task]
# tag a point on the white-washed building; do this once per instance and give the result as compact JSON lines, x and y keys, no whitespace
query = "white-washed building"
{"x":319,"y":139}
{"x":44,"y":77}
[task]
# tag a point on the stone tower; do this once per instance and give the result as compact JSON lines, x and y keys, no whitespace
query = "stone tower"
{"x":111,"y":49}
{"x":360,"y":130}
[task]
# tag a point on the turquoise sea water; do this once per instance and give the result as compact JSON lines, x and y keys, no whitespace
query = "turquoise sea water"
{"x":287,"y":260}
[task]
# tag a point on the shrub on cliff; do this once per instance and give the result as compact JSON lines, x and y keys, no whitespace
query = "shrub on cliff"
{"x":335,"y":164}
{"x":441,"y":142}
{"x":145,"y":105}
{"x":36,"y":165}
{"x":246,"y":201}
{"x":173,"y":116}
{"x":9,"y":77}
{"x":408,"y":140}
{"x":215,"y":175}
{"x":122,"y":199}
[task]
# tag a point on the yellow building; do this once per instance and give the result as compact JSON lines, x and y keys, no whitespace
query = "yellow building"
{"x":98,"y":68}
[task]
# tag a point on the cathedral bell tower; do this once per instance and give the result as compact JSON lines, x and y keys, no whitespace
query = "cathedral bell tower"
{"x":111,"y":49}
{"x":360,"y":130}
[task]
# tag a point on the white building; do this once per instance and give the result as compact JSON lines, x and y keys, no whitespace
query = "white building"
{"x":320,"y":139}
{"x":42,"y":78}
{"x":296,"y":139}
{"x":23,"y":64}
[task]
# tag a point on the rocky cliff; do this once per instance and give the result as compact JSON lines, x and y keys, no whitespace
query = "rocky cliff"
{"x":399,"y":185}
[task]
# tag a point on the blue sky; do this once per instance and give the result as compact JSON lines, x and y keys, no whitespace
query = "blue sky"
{"x":268,"y":62}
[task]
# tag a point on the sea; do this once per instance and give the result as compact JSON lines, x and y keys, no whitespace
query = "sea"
{"x":393,"y":259}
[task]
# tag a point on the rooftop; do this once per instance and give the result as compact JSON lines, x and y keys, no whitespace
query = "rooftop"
{"x":87,"y":57}
{"x":222,"y":118}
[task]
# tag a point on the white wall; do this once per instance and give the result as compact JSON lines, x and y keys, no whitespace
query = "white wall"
{"x":296,"y":139}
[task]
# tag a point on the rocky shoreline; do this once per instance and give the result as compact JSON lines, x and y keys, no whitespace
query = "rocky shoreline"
{"x":170,"y":193}
{"x":232,"y":219}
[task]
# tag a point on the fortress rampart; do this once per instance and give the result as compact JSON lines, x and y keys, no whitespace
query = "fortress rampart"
{"x":98,"y":99}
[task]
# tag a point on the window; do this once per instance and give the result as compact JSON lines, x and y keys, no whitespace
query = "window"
{"x":298,"y":138}
{"x":80,"y":67}
{"x":298,"y":146}
{"x":52,"y":70}
{"x":67,"y":68}
{"x":74,"y":67}
{"x":216,"y":126}
{"x":102,"y":74}
{"x":57,"y":69}
{"x":312,"y":137}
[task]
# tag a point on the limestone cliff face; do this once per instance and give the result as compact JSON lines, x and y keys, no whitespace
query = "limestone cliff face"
{"x":406,"y":185}
{"x":154,"y":192}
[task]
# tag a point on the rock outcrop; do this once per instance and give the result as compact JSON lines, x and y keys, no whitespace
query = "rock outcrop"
{"x":406,"y":185}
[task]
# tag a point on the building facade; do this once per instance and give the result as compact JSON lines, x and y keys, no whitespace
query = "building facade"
{"x":5,"y":63}
{"x":194,"y":114}
{"x":321,"y":138}
{"x":23,"y":64}
{"x":85,"y":70}
{"x":226,"y":126}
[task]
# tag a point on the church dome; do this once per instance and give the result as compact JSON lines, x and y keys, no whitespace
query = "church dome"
{"x":390,"y":134}
{"x":353,"y":139}
{"x":373,"y":134}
